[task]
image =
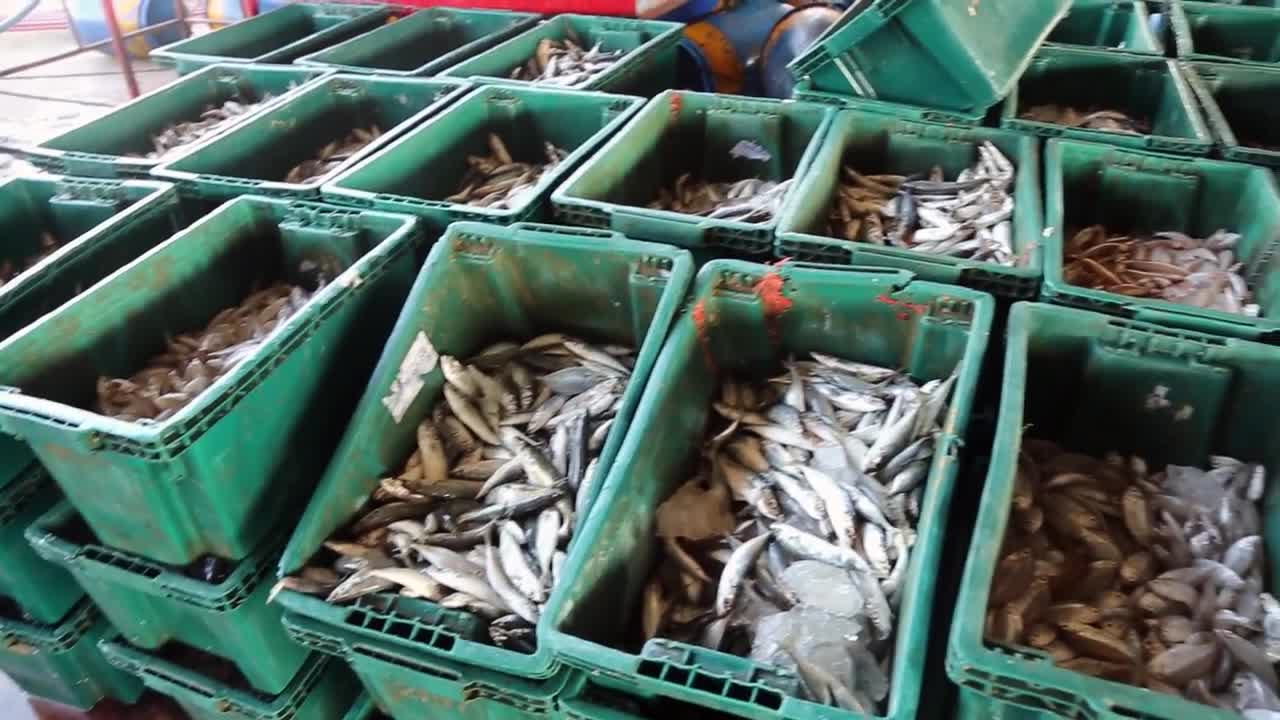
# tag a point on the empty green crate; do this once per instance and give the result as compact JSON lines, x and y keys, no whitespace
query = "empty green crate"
{"x":1132,"y":192}
{"x":116,"y":144}
{"x":1112,"y":24}
{"x":1213,"y":32}
{"x":322,"y":689}
{"x":153,"y":604}
{"x":647,"y":67}
{"x":419,"y":171}
{"x":933,"y":53}
{"x":279,"y":36}
{"x":1239,"y":103}
{"x":407,"y":686}
{"x":215,"y":477}
{"x":257,"y":155}
{"x":43,"y":591}
{"x":881,"y":316}
{"x":100,"y":224}
{"x":1083,"y":380}
{"x":682,"y":132}
{"x":61,"y":661}
{"x":425,"y":42}
{"x":804,"y":91}
{"x":1149,"y":88}
{"x":483,"y":283}
{"x":875,"y":144}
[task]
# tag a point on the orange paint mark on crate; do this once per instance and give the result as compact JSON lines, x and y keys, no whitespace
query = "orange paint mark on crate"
{"x":704,"y":339}
{"x":769,"y":290}
{"x":907,"y":307}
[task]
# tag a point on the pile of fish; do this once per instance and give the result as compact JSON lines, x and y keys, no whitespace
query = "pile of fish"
{"x":970,"y":217}
{"x":480,"y":514}
{"x":333,"y":154}
{"x":1152,"y":579}
{"x":565,"y":63}
{"x":8,"y":270}
{"x":497,"y":180}
{"x":192,"y":361}
{"x":1170,"y":266}
{"x":791,"y":541}
{"x":211,"y":119}
{"x":750,"y":200}
{"x":1109,"y":120}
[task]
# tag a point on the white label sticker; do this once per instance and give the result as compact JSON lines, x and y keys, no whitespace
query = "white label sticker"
{"x":420,"y":360}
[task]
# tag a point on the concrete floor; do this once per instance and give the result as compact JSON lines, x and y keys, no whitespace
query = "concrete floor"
{"x":44,"y":101}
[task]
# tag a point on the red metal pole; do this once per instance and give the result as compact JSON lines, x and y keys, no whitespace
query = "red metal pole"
{"x":117,"y":42}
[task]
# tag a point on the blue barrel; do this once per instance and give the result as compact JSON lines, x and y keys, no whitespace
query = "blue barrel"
{"x":90,"y":26}
{"x":224,"y":12}
{"x":720,"y":46}
{"x":793,"y":34}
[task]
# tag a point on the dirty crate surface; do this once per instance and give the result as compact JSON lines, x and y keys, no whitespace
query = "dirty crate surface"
{"x":1145,"y":87}
{"x":116,"y":144}
{"x":152,"y":604}
{"x":425,"y":42}
{"x":100,"y":226}
{"x":322,"y":689}
{"x":679,"y":132}
{"x":932,"y":53}
{"x":276,"y":37}
{"x":1082,"y":380}
{"x":482,"y":283}
{"x":209,"y":480}
{"x":420,"y":171}
{"x":61,"y":661}
{"x":874,"y":144}
{"x":257,"y":155}
{"x":647,"y":67}
{"x":1144,"y":192}
{"x":880,"y":316}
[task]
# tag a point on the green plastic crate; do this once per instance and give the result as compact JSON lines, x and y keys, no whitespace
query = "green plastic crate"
{"x":874,"y":315}
{"x":933,"y":53}
{"x":408,"y":687}
{"x":423,"y":43}
{"x":1212,"y":32}
{"x":322,"y":689}
{"x":152,"y":604}
{"x":115,"y":145}
{"x":647,"y":68}
{"x":102,"y":225}
{"x":882,"y":144}
{"x":415,"y":173}
{"x":364,"y":708}
{"x":255,"y":156}
{"x":1081,"y":379}
{"x":804,"y":91}
{"x":210,"y":480}
{"x":1147,"y":86}
{"x":480,"y":284}
{"x":1122,"y":25}
{"x":678,"y":132}
{"x":43,"y":591}
{"x":1239,"y":103}
{"x":1142,"y":192}
{"x":279,"y":36}
{"x":61,"y":661}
